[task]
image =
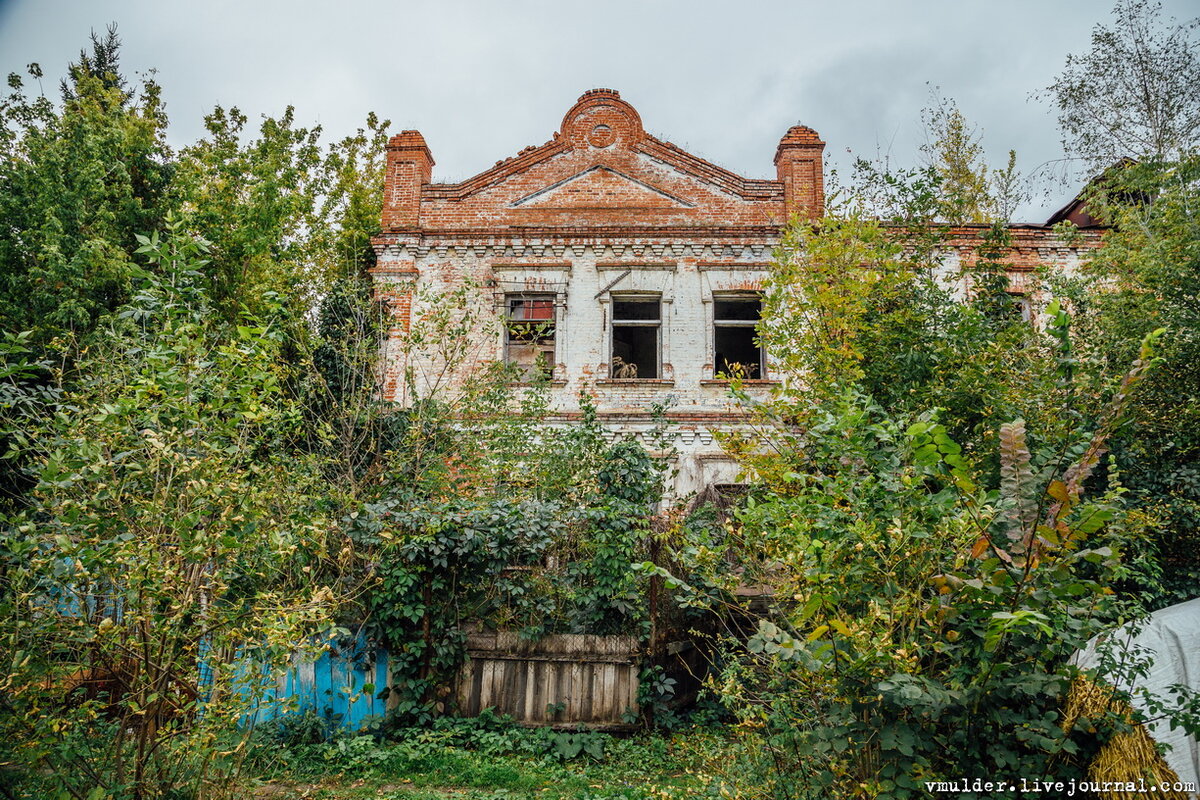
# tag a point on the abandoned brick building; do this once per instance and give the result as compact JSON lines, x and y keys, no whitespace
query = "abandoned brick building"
{"x":625,"y":266}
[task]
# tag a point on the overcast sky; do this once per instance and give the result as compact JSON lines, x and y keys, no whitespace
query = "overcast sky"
{"x":483,"y":79}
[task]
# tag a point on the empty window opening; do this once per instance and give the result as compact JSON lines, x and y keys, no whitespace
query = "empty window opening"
{"x":1021,"y":308}
{"x":736,"y":352}
{"x":636,"y":329}
{"x":529,"y":333}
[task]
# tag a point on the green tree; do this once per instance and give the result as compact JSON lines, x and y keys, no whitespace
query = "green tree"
{"x":1135,"y":94}
{"x":918,"y":496}
{"x":935,"y":558}
{"x":954,"y":185}
{"x":956,"y":155}
{"x":285,"y":213}
{"x":176,"y":552}
{"x":923,"y":625}
{"x":854,"y":298}
{"x":1147,"y":275}
{"x":76,"y":183}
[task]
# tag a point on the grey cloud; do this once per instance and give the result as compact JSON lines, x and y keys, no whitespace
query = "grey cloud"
{"x":483,"y":79}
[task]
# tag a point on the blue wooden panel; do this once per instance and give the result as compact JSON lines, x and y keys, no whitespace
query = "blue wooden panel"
{"x":340,"y":684}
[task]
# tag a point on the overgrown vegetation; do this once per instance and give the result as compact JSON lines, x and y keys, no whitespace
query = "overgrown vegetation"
{"x":949,"y":502}
{"x":490,"y":757}
{"x":944,"y":501}
{"x":1149,"y":276}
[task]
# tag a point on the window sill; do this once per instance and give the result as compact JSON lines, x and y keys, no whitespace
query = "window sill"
{"x":745,"y":382}
{"x":551,"y":382}
{"x":634,"y":382}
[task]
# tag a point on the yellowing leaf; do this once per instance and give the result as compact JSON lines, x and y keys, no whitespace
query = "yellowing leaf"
{"x":980,"y":547}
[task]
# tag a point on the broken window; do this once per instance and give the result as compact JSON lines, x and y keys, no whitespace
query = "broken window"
{"x":529,"y":333}
{"x":736,"y":354}
{"x":636,"y":327}
{"x":1022,"y":308}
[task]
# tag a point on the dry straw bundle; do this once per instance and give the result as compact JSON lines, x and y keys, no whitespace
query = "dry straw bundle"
{"x":1127,"y":757}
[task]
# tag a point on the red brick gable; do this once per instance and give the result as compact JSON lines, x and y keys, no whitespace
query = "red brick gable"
{"x":601,"y":170}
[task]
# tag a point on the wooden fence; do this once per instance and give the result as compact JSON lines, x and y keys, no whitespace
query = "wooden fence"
{"x":561,"y":680}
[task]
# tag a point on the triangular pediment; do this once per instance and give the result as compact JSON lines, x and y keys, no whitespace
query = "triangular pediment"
{"x":600,"y":187}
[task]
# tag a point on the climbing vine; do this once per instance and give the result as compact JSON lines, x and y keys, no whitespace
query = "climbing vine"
{"x":536,"y":531}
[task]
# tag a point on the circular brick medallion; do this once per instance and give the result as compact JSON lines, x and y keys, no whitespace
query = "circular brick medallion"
{"x":602,"y":136}
{"x":602,"y":120}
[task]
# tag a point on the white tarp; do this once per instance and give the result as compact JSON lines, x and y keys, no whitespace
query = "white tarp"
{"x":1171,"y":638}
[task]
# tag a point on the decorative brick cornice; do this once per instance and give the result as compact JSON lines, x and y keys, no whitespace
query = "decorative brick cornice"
{"x":664,"y":152}
{"x":725,"y":251}
{"x":613,"y":233}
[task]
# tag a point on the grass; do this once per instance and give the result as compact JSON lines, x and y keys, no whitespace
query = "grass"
{"x":470,"y":761}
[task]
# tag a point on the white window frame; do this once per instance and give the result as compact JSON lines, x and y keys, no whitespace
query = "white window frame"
{"x":720,"y":296}
{"x":658,"y":324}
